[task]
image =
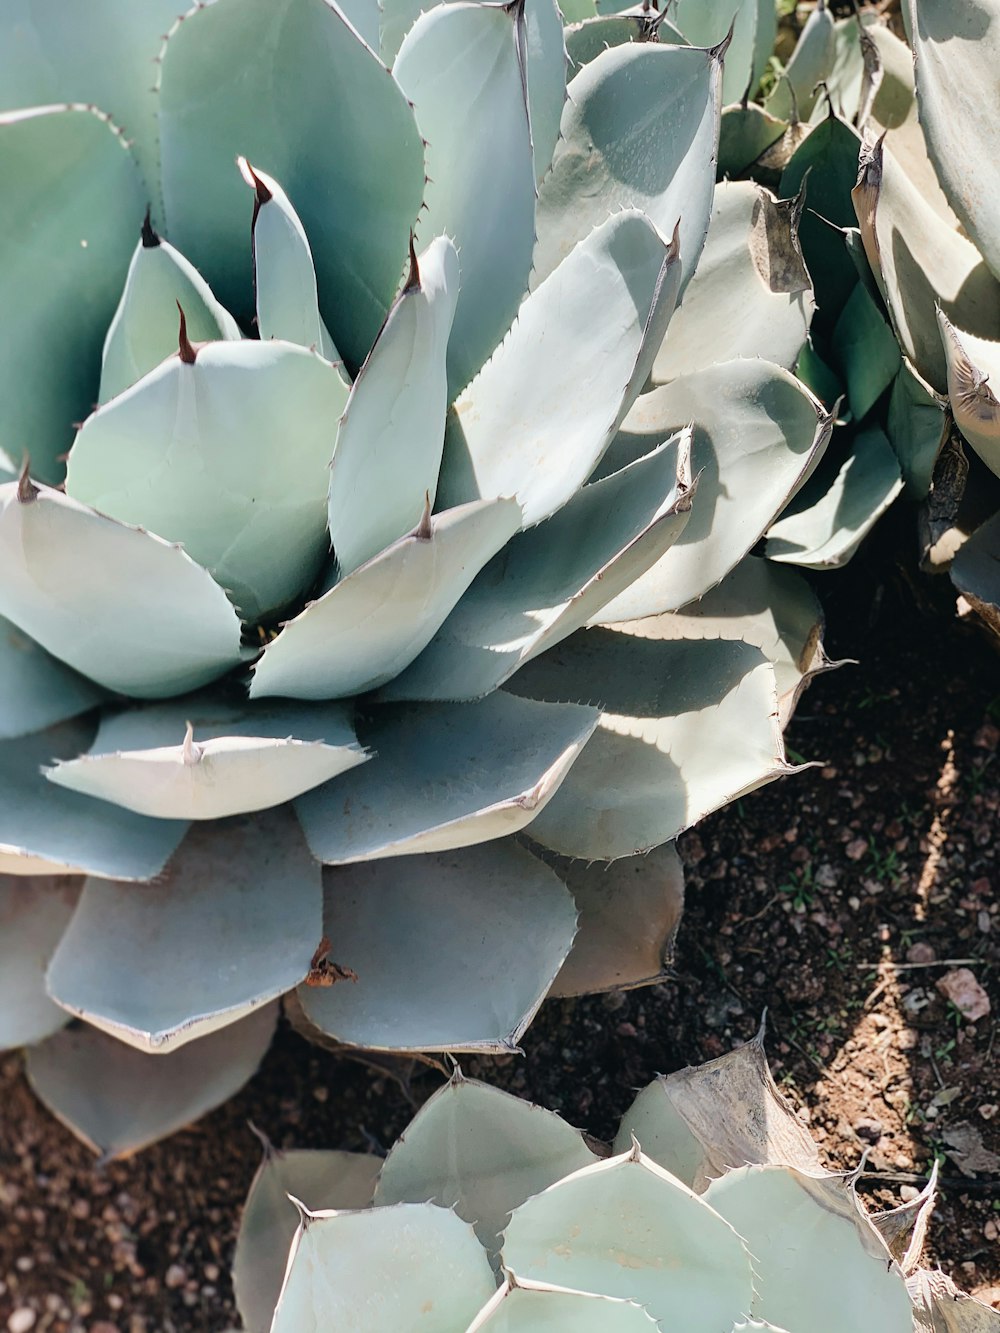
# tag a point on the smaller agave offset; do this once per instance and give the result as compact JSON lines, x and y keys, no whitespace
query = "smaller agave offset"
{"x":713,"y":1215}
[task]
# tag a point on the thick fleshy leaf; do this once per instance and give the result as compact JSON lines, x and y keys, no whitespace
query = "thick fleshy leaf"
{"x":482,"y":1152}
{"x":232,"y":760}
{"x":79,"y":583}
{"x":445,"y":776}
{"x":709,"y":25}
{"x":372,"y":624}
{"x":608,"y":1228}
{"x":423,"y":1269}
{"x":531,"y":424}
{"x":630,"y":911}
{"x":532,"y":1307}
{"x":33,"y":915}
{"x":975,"y":572}
{"x":280,"y":83}
{"x":915,"y":426}
{"x":818,"y":1261}
{"x":957,"y":51}
{"x":144,"y":329}
{"x":685,"y":728}
{"x":750,"y":295}
{"x":810,"y":63}
{"x":341,"y":1180}
{"x":461,"y":67}
{"x":865,"y":351}
{"x":70,"y":210}
{"x":453,"y":951}
{"x":118,"y":1100}
{"x":745,"y":134}
{"x":585,"y":40}
{"x":971,"y":363}
{"x":232,"y":924}
{"x":45,"y":830}
{"x":392,"y":434}
{"x":551,"y":580}
{"x":225,"y":450}
{"x":757,"y":433}
{"x":284,"y":276}
{"x":639,"y":130}
{"x":546,"y":69}
{"x":36,"y":691}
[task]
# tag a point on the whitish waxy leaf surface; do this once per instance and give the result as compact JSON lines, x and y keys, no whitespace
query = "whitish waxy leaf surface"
{"x":685,"y":728}
{"x":33,"y":915}
{"x":233,"y":761}
{"x":392,"y":435}
{"x":372,"y":624}
{"x":639,"y":130}
{"x":818,"y":1262}
{"x":118,"y":1100}
{"x":35,"y":689}
{"x":460,"y":66}
{"x":44,"y":830}
{"x":80,"y":584}
{"x":750,"y":295}
{"x":341,"y":1180}
{"x":446,"y":776}
{"x":757,"y":433}
{"x":746,"y":56}
{"x":481,"y":1152}
{"x":972,"y":362}
{"x":534,"y":1308}
{"x":626,"y":1228}
{"x":144,"y":329}
{"x":809,"y":64}
{"x":227,"y":454}
{"x":70,"y":211}
{"x":232,"y":84}
{"x":530,"y":425}
{"x":413,"y":1266}
{"x":546,"y":73}
{"x":453,"y":951}
{"x":548,"y":582}
{"x":232,"y":924}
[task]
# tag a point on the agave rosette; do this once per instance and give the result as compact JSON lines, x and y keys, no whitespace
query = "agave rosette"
{"x":407,"y":563}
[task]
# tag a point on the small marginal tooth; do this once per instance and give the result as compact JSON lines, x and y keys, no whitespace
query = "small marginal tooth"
{"x":27,"y":491}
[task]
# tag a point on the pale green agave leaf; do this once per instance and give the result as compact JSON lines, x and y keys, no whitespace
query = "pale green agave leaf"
{"x":71,"y":207}
{"x":809,"y":65}
{"x":975,"y":568}
{"x":865,"y":351}
{"x":45,"y":830}
{"x":757,"y":434}
{"x":392,"y":435}
{"x":33,"y":916}
{"x":608,"y":1228}
{"x":709,"y":25}
{"x":446,"y":776}
{"x":585,"y":40}
{"x":453,"y":950}
{"x":529,"y":425}
{"x":200,"y":759}
{"x":36,"y":690}
{"x":818,"y":1261}
{"x":365,"y":17}
{"x":548,"y":582}
{"x":321,"y":1180}
{"x":915,"y":426}
{"x":233,"y":923}
{"x":750,"y":295}
{"x":481,"y":1152}
{"x":231,"y":85}
{"x":367,"y":628}
{"x":639,"y":130}
{"x":422,"y":1269}
{"x":532,"y":1307}
{"x":126,"y":608}
{"x":225,"y":450}
{"x":685,"y":728}
{"x":461,"y":67}
{"x":745,"y":134}
{"x":971,"y":363}
{"x":119,"y":1100}
{"x":144,"y":329}
{"x":284,"y":276}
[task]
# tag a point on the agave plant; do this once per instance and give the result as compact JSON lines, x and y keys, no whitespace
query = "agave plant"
{"x":713,"y":1212}
{"x":380,"y":552}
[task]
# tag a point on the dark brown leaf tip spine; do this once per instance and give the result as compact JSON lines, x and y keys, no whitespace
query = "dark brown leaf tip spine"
{"x":150,"y":240}
{"x":413,"y":277}
{"x":27,"y":491}
{"x":185,"y":349}
{"x":423,"y":531}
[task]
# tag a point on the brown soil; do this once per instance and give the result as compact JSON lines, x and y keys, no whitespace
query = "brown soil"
{"x":834,"y":898}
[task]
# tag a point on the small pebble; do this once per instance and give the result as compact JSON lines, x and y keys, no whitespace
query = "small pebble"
{"x":175,"y":1276}
{"x":21,"y":1320}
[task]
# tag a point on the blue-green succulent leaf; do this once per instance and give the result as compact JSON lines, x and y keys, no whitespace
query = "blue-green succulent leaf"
{"x":974,"y":570}
{"x":865,"y":350}
{"x":809,"y":65}
{"x":392,"y":436}
{"x":445,"y":776}
{"x":546,"y":73}
{"x":915,"y":425}
{"x":454,"y":951}
{"x":36,"y":690}
{"x":195,"y":758}
{"x":233,"y":923}
{"x":118,"y":1100}
{"x":745,"y":133}
{"x":709,"y":25}
{"x":225,"y":450}
{"x":372,"y":624}
{"x":33,"y":915}
{"x":365,"y":16}
{"x":144,"y":329}
{"x":533,"y":1307}
{"x":70,"y":210}
{"x":460,"y":66}
{"x":125,"y":608}
{"x":280,"y":82}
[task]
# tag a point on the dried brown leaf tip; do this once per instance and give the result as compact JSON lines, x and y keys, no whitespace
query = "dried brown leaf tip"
{"x":27,"y":491}
{"x":185,"y":349}
{"x":323,"y":972}
{"x":413,"y":277}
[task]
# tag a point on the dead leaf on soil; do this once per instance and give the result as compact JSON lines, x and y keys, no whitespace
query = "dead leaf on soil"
{"x":964,"y":1145}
